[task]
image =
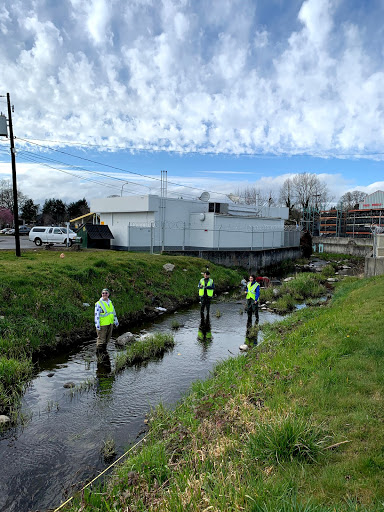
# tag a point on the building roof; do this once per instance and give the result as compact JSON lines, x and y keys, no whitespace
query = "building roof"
{"x":98,"y":232}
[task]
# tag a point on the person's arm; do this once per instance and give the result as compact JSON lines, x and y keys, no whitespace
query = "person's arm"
{"x":257,"y":294}
{"x":115,"y":320}
{"x":211,"y":287}
{"x":97,"y":317}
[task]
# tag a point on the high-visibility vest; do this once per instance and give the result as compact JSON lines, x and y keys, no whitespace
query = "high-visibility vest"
{"x":252,"y":287}
{"x":202,"y":284}
{"x":107,"y":316}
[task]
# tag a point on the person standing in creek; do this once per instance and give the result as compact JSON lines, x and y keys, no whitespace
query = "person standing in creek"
{"x":206,"y":287}
{"x":253,"y":294}
{"x":105,"y":318}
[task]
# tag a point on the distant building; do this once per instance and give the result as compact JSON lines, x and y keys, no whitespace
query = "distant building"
{"x":356,"y":223}
{"x":152,"y":223}
{"x":361,"y":222}
{"x":332,"y":222}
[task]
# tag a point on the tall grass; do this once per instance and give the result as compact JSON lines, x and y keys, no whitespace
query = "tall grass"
{"x":285,"y":438}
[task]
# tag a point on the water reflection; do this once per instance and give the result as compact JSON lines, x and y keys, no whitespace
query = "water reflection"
{"x":104,"y":375}
{"x":204,"y":334}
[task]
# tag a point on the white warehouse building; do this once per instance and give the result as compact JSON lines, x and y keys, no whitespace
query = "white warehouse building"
{"x":152,"y":223}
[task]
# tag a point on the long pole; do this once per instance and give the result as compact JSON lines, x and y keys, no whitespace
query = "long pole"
{"x":14,"y":182}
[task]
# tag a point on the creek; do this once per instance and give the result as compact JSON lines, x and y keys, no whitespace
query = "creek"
{"x":46,"y":457}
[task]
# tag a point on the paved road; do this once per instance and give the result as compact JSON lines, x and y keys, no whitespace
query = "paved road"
{"x":8,"y":242}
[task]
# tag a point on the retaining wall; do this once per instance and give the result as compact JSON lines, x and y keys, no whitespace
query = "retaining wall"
{"x":337,"y":245}
{"x":373,"y":266}
{"x":251,"y":260}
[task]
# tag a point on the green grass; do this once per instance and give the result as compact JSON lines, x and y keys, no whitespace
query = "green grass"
{"x":152,"y":346}
{"x":295,"y":425}
{"x":304,"y":287}
{"x":42,"y":297}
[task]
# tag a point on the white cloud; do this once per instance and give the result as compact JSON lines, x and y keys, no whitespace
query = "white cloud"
{"x":180,"y":75}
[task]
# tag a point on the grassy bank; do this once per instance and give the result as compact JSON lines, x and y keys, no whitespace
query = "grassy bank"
{"x":295,"y":425}
{"x":48,"y":301}
{"x":154,"y":345}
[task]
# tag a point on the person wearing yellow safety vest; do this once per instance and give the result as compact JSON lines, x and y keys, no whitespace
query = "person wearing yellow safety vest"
{"x":253,"y":294}
{"x":206,"y":287}
{"x":105,"y":317}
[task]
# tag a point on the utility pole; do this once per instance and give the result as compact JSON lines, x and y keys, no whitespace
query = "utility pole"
{"x":14,"y":182}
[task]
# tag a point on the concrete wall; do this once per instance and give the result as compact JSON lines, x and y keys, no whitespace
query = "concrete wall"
{"x":373,"y":266}
{"x":337,"y":245}
{"x":253,"y":261}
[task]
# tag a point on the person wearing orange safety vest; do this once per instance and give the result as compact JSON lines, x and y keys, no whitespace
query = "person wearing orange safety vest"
{"x":206,"y":287}
{"x":253,"y":294}
{"x":105,"y":318}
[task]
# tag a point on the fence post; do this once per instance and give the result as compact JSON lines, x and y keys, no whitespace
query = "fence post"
{"x":129,"y":236}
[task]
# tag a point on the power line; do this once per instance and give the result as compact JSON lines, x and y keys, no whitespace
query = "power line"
{"x":118,"y":168}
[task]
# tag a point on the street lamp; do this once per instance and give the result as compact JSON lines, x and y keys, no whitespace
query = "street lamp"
{"x":126,"y":183}
{"x":3,"y":132}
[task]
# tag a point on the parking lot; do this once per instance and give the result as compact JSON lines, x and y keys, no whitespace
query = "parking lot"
{"x":8,"y":242}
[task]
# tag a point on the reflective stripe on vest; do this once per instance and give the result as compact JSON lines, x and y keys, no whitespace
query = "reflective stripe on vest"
{"x":201,"y":290}
{"x":107,"y":316}
{"x":251,"y":287}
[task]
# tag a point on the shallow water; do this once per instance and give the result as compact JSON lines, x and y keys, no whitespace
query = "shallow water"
{"x":60,"y":445}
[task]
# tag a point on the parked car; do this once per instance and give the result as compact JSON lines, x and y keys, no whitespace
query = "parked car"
{"x":3,"y":231}
{"x":51,"y":235}
{"x":10,"y":232}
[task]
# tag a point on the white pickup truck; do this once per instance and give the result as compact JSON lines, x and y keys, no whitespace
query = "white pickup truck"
{"x":51,"y":235}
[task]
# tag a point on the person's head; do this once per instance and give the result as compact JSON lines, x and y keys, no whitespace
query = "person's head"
{"x":252,"y":277}
{"x":207,"y":273}
{"x":105,"y":293}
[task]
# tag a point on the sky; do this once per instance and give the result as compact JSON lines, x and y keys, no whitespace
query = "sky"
{"x":223,"y":95}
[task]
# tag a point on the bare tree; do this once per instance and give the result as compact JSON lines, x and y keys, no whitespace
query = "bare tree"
{"x":250,"y":195}
{"x":271,"y":200}
{"x":286,"y":196}
{"x":309,"y":191}
{"x":349,"y":200}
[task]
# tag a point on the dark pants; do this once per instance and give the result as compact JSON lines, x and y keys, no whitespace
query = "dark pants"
{"x":104,"y":335}
{"x":205,"y":302}
{"x":252,"y":307}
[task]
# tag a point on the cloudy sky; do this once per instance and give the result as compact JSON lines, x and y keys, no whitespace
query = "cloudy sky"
{"x":222,"y":94}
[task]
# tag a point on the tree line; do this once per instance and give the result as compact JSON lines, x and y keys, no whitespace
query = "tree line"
{"x":299,"y":193}
{"x":53,"y":211}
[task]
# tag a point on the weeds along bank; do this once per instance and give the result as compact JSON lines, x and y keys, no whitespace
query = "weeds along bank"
{"x":294,"y":425}
{"x":47,"y":300}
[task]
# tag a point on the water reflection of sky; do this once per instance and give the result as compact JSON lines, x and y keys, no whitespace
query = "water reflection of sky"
{"x":60,"y":446}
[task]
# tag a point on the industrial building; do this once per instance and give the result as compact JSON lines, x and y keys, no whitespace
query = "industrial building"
{"x":370,"y":214}
{"x":356,"y":223}
{"x":154,"y":223}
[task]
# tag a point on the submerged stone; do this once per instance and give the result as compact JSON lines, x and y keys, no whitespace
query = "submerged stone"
{"x":69,"y":385}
